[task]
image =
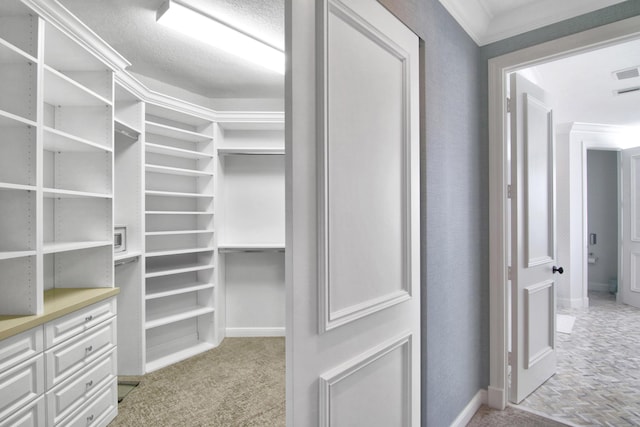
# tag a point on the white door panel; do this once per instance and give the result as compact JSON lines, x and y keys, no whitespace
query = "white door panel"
{"x":353,"y":327}
{"x":630,"y":286}
{"x":533,"y":237}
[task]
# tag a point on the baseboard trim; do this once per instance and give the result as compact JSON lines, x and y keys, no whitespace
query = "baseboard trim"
{"x":572,"y":302}
{"x":469,"y":411}
{"x":254,"y":332}
{"x":496,"y":398}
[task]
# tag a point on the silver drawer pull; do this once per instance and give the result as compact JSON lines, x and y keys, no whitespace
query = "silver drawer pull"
{"x":89,"y":318}
{"x":89,"y":418}
{"x":88,"y":349}
{"x":90,"y":384}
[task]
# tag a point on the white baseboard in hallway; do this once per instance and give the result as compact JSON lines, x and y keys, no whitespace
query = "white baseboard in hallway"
{"x":472,"y":407}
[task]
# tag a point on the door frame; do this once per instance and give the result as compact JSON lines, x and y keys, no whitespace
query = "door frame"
{"x":498,"y":69}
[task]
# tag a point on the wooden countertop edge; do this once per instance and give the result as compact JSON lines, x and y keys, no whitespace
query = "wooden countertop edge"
{"x":57,"y":303}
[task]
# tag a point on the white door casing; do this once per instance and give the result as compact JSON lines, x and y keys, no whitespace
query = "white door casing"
{"x":630,"y":285}
{"x":353,"y":326}
{"x":533,"y":238}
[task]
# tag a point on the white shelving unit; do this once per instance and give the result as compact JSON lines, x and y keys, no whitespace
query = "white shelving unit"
{"x":129,"y":212}
{"x":180,"y":253}
{"x":251,"y":223}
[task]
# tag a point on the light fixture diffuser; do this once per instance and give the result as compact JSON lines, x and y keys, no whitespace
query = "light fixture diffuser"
{"x":208,"y":30}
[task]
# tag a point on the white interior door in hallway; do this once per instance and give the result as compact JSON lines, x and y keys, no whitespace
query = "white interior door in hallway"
{"x":353,"y":337}
{"x":533,"y":238}
{"x":630,"y":286}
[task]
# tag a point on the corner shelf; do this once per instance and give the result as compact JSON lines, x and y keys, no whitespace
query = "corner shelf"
{"x":175,"y":132}
{"x":171,"y":316}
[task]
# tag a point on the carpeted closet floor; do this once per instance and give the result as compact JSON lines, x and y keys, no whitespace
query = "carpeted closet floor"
{"x":239,"y":383}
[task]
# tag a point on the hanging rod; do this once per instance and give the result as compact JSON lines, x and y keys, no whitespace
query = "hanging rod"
{"x":241,"y":250}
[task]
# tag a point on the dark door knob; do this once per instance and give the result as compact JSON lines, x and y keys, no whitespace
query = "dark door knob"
{"x":558,"y":269}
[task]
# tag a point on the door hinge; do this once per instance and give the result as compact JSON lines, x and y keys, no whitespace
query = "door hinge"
{"x":509,"y":274}
{"x":509,"y":191}
{"x":508,"y":105}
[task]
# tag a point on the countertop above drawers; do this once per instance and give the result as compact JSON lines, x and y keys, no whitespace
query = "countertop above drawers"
{"x":57,"y":303}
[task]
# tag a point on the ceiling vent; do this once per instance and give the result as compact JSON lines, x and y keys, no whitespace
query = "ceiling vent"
{"x":627,"y":90}
{"x":627,"y":73}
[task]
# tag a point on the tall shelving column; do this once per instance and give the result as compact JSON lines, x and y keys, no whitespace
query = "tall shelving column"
{"x":129,"y":213}
{"x":19,"y":36}
{"x":251,"y":226}
{"x":180,"y":250}
{"x":77,"y":165}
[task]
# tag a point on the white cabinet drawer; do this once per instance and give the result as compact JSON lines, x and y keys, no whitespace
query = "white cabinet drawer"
{"x":79,"y":321}
{"x":20,"y":385}
{"x":99,"y":412}
{"x":70,"y":357}
{"x":20,"y":347}
{"x":31,"y":415}
{"x":73,"y":393}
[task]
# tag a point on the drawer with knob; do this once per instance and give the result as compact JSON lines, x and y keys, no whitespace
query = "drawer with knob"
{"x":97,"y":412}
{"x":77,"y":322}
{"x":70,"y":357}
{"x":63,"y":399}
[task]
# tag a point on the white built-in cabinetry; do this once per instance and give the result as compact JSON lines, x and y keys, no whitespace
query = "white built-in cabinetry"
{"x":251,"y":226}
{"x":85,"y":147}
{"x":179,"y":236}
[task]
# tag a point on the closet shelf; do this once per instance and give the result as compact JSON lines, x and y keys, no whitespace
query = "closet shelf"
{"x":183,"y":268}
{"x":56,"y":140}
{"x":177,"y":232}
{"x":229,"y":151}
{"x":8,"y":52}
{"x":126,"y":255}
{"x":169,"y":353}
{"x":175,"y":133}
{"x":179,"y":252}
{"x":176,"y":171}
{"x":171,"y":316}
{"x":178,"y":213}
{"x":72,"y":194}
{"x":154,"y":292}
{"x":9,"y":186}
{"x":8,"y":119}
{"x":15,"y":254}
{"x":125,"y":129}
{"x":60,"y":90}
{"x":175,"y":194}
{"x":55,"y":247}
{"x":176,"y":152}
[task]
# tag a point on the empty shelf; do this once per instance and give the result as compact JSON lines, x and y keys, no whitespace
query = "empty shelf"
{"x":55,"y":247}
{"x":178,"y":252}
{"x":171,"y":316}
{"x":57,"y":193}
{"x":176,"y":133}
{"x":176,"y":194}
{"x":56,"y":140}
{"x":176,"y":152}
{"x":166,"y":290}
{"x":176,"y":269}
{"x":15,"y":254}
{"x":177,"y":232}
{"x":176,"y":171}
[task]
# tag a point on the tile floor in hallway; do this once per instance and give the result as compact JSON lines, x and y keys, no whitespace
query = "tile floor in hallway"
{"x":598,"y":377}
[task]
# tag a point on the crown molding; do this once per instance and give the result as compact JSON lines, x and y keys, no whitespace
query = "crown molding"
{"x":56,"y":14}
{"x":485,"y":27}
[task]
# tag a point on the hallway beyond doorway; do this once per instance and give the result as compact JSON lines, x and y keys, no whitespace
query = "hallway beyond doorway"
{"x":598,"y":376}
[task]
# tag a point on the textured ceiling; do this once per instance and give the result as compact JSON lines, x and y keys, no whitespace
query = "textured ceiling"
{"x":162,"y":54}
{"x":582,"y":86}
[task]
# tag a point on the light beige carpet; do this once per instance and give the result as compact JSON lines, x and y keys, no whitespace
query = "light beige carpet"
{"x":510,"y":417}
{"x":239,"y":383}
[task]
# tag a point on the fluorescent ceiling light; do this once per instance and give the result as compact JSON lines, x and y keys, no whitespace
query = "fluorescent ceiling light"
{"x":208,"y":30}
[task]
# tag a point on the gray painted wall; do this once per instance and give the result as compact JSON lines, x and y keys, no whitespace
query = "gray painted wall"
{"x":455,"y":192}
{"x":602,"y":200}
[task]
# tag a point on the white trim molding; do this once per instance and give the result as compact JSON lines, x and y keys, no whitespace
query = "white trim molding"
{"x":499,"y":68}
{"x":472,"y":407}
{"x":485,"y":25}
{"x":254,"y":332}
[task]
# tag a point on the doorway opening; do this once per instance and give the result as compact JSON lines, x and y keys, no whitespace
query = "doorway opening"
{"x":499,"y":68}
